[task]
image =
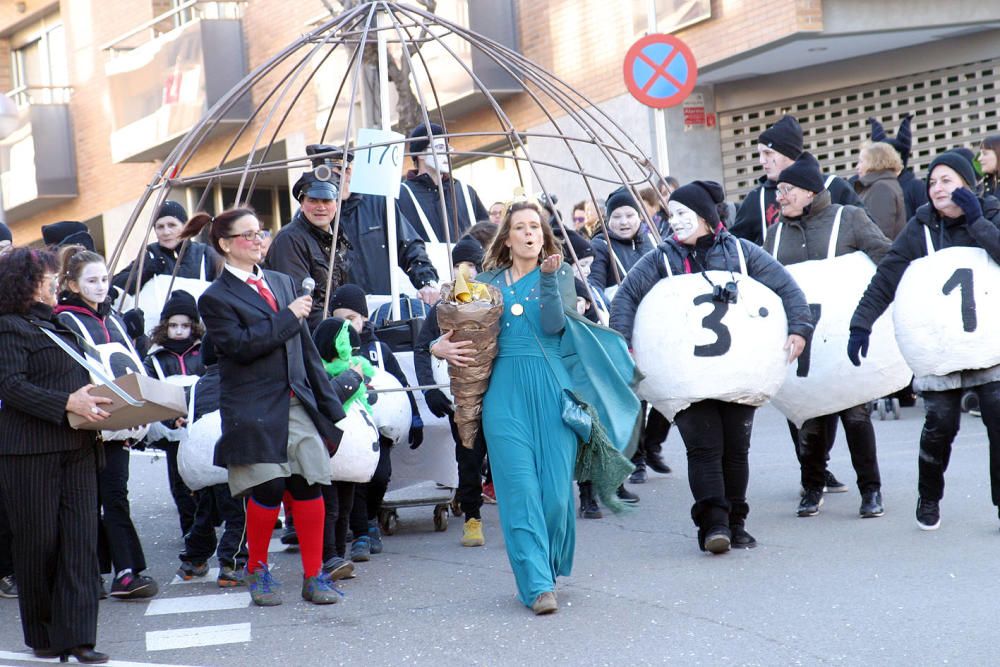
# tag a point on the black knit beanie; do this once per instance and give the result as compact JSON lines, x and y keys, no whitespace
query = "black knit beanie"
{"x":350,"y":296}
{"x":467,"y":249}
{"x":418,"y":139}
{"x":581,"y":246}
{"x":326,"y":334}
{"x":620,"y":197}
{"x":56,"y":233}
{"x":172,"y":209}
{"x":180,"y":303}
{"x":804,"y":173}
{"x":785,"y":136}
{"x":702,"y":197}
{"x":957,"y":161}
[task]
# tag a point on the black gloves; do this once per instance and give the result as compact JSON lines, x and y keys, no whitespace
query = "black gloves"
{"x":438,"y":403}
{"x":967,"y":200}
{"x":416,"y":432}
{"x":857,"y":343}
{"x":135,"y":323}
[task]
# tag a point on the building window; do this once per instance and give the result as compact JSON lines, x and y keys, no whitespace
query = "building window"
{"x":671,"y":15}
{"x":39,"y":62}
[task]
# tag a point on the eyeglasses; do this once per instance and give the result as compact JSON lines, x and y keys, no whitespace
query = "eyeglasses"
{"x":784,"y":192}
{"x":579,"y":218}
{"x":250,"y":235}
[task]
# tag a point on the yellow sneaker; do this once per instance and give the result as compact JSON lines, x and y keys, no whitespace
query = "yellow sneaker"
{"x":472,"y":536}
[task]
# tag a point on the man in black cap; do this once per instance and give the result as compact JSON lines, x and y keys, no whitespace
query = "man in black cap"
{"x":302,"y":247}
{"x":419,"y":198}
{"x":808,"y":219}
{"x":778,"y":147}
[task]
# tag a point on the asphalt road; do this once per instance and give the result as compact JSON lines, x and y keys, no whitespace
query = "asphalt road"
{"x":831,"y":589}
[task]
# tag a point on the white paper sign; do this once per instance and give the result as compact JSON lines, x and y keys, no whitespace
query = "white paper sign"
{"x":691,"y":348}
{"x":947,"y":312}
{"x":823,"y":380}
{"x":377,"y":169}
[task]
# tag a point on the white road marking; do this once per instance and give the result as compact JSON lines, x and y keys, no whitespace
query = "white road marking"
{"x":206,"y":635}
{"x":212,"y":575}
{"x":29,"y":657}
{"x":185,"y":605}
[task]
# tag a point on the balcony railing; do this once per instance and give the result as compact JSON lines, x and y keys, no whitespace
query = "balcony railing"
{"x":25,"y":96}
{"x":180,"y":15}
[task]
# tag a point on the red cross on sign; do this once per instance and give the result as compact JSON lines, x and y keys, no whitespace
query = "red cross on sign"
{"x":660,"y":71}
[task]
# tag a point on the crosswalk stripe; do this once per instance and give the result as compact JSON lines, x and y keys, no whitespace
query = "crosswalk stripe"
{"x":196,"y":603}
{"x":206,"y":635}
{"x":28,"y":657}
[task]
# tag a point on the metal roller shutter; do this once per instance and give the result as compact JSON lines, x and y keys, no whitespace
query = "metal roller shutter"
{"x":952,"y":107}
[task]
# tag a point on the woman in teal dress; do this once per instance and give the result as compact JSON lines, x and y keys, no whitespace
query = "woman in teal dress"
{"x":532,"y":452}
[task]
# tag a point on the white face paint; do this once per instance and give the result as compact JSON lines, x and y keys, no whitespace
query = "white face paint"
{"x":582,"y":267}
{"x":179,"y":327}
{"x":624,"y":222}
{"x":440,"y":162}
{"x":683,"y":220}
{"x":93,"y":283}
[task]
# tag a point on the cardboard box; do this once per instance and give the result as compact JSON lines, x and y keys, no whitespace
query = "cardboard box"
{"x":160,"y":400}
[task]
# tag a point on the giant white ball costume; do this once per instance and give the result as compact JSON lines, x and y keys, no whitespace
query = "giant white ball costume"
{"x":154,"y":292}
{"x":391,"y":412}
{"x":357,"y":455}
{"x":692,"y":348}
{"x":823,"y":380}
{"x":947,"y":311}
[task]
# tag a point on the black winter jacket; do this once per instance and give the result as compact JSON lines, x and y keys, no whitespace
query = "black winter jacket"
{"x":748,"y":224}
{"x":628,"y":252}
{"x":187,"y":362}
{"x":425,"y":190}
{"x":914,"y":191}
{"x":302,"y":249}
{"x":36,"y":379}
{"x":713,"y":253}
{"x":429,"y":332}
{"x":911,"y":244}
{"x":103,"y":325}
{"x":200,"y":261}
{"x":364,"y":222}
{"x":206,"y":392}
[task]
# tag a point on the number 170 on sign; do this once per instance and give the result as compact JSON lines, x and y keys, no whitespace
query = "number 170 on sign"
{"x":378,"y":160}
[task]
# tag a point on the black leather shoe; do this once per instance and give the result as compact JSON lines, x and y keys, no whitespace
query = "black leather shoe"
{"x":626,"y":496}
{"x":87,"y":655}
{"x":655,"y":461}
{"x":741,"y":538}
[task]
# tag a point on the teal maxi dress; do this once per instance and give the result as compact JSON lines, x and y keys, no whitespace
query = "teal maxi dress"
{"x":532,"y":452}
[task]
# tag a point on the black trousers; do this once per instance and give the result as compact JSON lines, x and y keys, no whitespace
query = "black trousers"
{"x":338,"y":498}
{"x":814,"y":446}
{"x":51,"y":501}
{"x":183,"y":498}
{"x":831,"y":436}
{"x":6,"y":557}
{"x":654,"y":432}
{"x":940,"y":428}
{"x":214,"y":507}
{"x":470,"y":472}
{"x":368,"y":497}
{"x":118,"y":543}
{"x":717,"y":438}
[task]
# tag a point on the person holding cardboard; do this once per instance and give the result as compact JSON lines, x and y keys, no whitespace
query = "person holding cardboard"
{"x":48,"y":470}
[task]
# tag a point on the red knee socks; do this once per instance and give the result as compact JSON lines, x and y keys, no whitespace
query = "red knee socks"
{"x":309,"y":518}
{"x":260,"y":524}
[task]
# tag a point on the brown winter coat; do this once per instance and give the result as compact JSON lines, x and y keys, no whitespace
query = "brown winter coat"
{"x":883,"y":197}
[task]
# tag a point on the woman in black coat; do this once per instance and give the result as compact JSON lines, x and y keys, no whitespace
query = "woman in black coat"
{"x":48,"y":470}
{"x":278,"y":405}
{"x":199,"y":260}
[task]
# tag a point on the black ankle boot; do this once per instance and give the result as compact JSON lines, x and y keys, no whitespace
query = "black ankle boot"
{"x":588,"y":504}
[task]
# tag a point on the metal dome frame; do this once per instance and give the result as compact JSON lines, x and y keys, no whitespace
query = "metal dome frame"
{"x":380,"y":23}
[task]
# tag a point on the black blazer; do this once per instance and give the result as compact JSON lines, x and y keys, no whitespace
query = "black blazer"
{"x":264,"y":355}
{"x":36,"y":379}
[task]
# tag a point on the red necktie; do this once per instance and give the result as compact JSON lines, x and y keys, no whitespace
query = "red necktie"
{"x":265,"y":293}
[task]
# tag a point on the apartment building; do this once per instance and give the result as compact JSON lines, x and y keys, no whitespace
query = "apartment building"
{"x":100,"y":92}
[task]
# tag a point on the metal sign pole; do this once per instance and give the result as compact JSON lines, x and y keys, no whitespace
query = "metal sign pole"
{"x":659,"y":115}
{"x":390,"y":202}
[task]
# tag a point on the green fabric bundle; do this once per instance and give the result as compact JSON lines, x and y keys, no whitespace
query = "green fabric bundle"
{"x":601,"y":464}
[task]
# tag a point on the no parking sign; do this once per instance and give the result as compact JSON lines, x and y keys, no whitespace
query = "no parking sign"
{"x":660,"y":71}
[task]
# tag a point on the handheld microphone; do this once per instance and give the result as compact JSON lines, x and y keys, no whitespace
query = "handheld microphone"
{"x":308,"y":285}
